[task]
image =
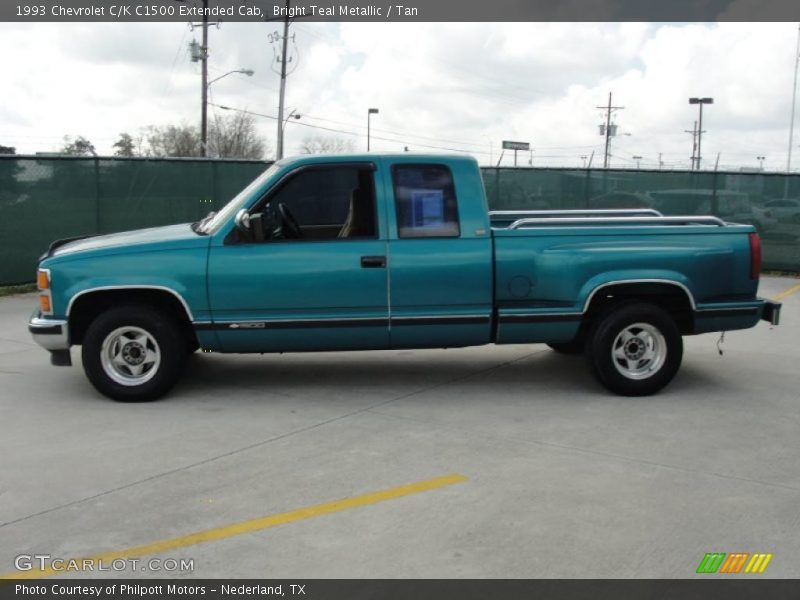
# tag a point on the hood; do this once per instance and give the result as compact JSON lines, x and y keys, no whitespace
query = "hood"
{"x":129,"y":241}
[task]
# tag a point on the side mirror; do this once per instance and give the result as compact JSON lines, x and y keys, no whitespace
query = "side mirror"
{"x":242,"y":220}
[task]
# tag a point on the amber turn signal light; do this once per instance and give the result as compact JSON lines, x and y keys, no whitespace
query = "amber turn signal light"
{"x":43,"y":280}
{"x":44,"y":303}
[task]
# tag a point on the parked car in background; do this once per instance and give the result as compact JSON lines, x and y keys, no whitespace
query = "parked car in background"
{"x":784,"y":209}
{"x":734,"y":207}
{"x":620,"y":199}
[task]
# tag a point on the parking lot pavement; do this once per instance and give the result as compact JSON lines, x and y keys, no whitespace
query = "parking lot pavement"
{"x":560,"y":479}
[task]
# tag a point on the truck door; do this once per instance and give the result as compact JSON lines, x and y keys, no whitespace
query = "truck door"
{"x":318,"y":278}
{"x":440,"y":255}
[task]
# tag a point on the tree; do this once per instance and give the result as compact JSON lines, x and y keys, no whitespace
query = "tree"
{"x":125,"y":145}
{"x":231,"y":136}
{"x":235,"y":136}
{"x":10,"y":170}
{"x":79,"y":146}
{"x":326,"y":145}
{"x":173,"y":140}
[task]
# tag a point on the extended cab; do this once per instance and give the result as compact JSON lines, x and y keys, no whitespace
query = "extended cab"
{"x":359,"y":252}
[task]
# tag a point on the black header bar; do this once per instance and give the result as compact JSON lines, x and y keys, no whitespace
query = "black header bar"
{"x":413,"y":11}
{"x":708,"y":588}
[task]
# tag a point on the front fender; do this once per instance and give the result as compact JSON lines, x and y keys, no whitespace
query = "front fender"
{"x":181,"y":272}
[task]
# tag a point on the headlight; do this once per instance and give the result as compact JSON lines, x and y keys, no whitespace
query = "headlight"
{"x":45,"y":296}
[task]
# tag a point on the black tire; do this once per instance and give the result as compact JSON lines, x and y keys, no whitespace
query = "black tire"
{"x":576,"y":346}
{"x":165,"y":335}
{"x":610,"y":371}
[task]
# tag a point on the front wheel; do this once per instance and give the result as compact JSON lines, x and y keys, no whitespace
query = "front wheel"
{"x":133,"y":353}
{"x":635,"y":350}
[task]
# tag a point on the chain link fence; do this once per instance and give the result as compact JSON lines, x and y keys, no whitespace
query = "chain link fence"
{"x":47,"y":198}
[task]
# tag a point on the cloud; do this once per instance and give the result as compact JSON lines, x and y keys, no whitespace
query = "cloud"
{"x":462,"y":86}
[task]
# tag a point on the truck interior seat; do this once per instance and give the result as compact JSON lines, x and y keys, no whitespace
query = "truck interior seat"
{"x":360,"y":220}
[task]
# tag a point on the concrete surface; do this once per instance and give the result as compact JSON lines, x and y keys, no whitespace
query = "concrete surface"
{"x":565,"y":480}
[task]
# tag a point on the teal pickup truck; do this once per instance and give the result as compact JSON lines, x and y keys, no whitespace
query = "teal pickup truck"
{"x":361,"y":252}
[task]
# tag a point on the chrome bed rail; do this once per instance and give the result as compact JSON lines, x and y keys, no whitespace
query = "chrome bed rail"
{"x":575,"y":212}
{"x":604,"y":221}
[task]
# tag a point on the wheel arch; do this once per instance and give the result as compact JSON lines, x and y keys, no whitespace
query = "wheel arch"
{"x":672,"y":296}
{"x":87,"y":304}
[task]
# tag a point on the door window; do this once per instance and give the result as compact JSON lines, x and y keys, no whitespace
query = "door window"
{"x":328,"y":203}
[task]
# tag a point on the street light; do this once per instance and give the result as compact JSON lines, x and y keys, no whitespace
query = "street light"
{"x":370,"y":112}
{"x":292,"y":114}
{"x":637,"y":159}
{"x":701,"y":102}
{"x":761,"y":160}
{"x":204,"y":120}
{"x":248,"y":72}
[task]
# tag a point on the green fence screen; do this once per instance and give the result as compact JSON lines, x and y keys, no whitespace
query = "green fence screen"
{"x":46,"y":198}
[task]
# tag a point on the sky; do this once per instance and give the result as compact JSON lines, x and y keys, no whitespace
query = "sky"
{"x":438,"y":86}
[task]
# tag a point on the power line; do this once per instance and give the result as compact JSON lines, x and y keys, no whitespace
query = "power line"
{"x":358,"y":134}
{"x":346,"y":132}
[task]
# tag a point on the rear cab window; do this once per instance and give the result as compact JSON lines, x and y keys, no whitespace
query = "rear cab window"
{"x":425,"y":201}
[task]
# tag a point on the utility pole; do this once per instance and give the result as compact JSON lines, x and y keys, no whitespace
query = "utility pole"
{"x":282,"y":93}
{"x":201,"y":54}
{"x":660,"y":162}
{"x":694,"y":143}
{"x":701,"y":102}
{"x":638,"y":161}
{"x":583,"y":158}
{"x":281,"y":56}
{"x":370,"y":112}
{"x":607,"y":128}
{"x":794,"y":101}
{"x":204,"y":111}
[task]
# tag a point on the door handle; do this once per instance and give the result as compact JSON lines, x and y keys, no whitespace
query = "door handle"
{"x":373,"y":262}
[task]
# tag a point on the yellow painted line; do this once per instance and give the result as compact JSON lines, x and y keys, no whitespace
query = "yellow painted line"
{"x":789,"y":292}
{"x":234,"y":529}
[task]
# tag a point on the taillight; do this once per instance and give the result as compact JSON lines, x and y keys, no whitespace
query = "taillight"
{"x":755,"y":256}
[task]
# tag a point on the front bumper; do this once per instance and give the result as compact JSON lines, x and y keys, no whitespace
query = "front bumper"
{"x":771,"y":312}
{"x":52,"y":335}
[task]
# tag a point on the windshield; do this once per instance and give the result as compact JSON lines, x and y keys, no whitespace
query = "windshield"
{"x":238,"y":201}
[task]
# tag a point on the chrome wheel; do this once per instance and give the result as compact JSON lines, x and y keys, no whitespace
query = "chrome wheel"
{"x":130,"y":356}
{"x":639,"y":351}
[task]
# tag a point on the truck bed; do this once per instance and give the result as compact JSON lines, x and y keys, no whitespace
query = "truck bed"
{"x":549,"y":265}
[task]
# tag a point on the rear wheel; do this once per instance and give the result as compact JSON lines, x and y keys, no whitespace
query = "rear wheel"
{"x":133,"y":353}
{"x":635,"y":349}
